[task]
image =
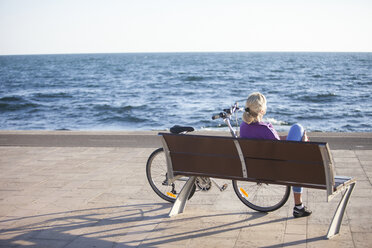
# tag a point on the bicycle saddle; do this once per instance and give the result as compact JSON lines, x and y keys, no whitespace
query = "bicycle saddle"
{"x":179,"y":129}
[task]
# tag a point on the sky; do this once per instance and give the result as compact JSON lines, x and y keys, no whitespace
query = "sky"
{"x":121,"y":26}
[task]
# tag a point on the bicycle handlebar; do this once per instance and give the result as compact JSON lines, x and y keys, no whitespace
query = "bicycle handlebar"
{"x":226,"y":115}
{"x":220,"y":115}
{"x":214,"y":117}
{"x":227,"y":112}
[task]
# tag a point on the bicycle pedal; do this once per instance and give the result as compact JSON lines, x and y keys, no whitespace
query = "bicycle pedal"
{"x":224,"y":187}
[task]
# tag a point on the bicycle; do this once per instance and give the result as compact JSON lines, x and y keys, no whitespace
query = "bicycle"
{"x":258,"y":196}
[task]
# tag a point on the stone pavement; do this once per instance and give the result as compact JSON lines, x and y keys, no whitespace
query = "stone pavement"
{"x":100,"y":197}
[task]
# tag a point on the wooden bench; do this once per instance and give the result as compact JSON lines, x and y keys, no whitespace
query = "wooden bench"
{"x":305,"y":164}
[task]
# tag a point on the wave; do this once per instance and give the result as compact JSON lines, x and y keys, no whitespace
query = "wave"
{"x":317,"y":76}
{"x":193,"y":78}
{"x":51,"y":95}
{"x":16,"y":103}
{"x":368,"y":83}
{"x":119,"y":109}
{"x":318,"y":98}
{"x":11,"y":99}
{"x":122,"y":119}
{"x":326,"y":95}
{"x":355,"y":127}
{"x":276,"y":122}
{"x":277,"y":70}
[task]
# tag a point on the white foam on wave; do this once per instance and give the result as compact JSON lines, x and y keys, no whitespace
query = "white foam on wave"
{"x":275,"y":122}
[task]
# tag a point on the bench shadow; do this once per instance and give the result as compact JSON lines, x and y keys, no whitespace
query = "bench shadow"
{"x":132,"y":225}
{"x":297,"y":242}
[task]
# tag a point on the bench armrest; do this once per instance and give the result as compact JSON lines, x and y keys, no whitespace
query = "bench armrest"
{"x":341,"y":182}
{"x":170,"y":175}
{"x":329,"y":170}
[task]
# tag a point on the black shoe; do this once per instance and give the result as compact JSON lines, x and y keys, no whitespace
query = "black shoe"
{"x":303,"y":212}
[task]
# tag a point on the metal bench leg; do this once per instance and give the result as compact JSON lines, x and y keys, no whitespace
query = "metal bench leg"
{"x":334,"y":227}
{"x":180,"y":203}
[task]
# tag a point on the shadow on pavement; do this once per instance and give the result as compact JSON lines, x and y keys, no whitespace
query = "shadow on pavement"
{"x":136,"y":225}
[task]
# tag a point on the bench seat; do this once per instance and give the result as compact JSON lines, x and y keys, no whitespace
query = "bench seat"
{"x":304,"y":164}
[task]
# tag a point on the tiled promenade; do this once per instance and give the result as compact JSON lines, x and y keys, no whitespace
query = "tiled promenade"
{"x":79,"y":195}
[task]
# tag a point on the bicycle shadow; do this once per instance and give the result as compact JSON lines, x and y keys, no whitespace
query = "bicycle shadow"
{"x":94,"y":225}
{"x":131,"y":225}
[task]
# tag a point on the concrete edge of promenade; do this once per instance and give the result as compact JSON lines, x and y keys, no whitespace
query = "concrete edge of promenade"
{"x":146,"y":139}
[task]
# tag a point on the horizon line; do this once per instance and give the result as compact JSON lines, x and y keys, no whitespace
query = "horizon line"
{"x":174,"y":52}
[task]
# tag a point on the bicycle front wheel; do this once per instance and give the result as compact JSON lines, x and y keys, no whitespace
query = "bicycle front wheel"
{"x":261,"y":197}
{"x":156,"y":171}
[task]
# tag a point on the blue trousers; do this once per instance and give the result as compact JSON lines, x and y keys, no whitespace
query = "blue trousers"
{"x":295,"y":134}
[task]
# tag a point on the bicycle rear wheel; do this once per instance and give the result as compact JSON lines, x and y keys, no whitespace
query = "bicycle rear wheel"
{"x":156,"y":171}
{"x":261,"y":197}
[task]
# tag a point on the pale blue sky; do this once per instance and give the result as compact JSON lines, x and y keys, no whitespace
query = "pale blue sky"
{"x":93,"y":26}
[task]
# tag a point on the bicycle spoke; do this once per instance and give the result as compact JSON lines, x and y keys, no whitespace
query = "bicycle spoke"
{"x":156,"y":170}
{"x":261,"y":197}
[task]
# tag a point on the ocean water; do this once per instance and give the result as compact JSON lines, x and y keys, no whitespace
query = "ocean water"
{"x":154,"y":91}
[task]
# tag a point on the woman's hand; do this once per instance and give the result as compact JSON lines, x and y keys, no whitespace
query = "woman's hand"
{"x":305,"y":138}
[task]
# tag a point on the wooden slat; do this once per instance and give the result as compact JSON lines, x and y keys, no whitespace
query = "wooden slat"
{"x":281,"y":150}
{"x":204,"y":154}
{"x":291,"y":171}
{"x":207,"y":164}
{"x":201,"y":144}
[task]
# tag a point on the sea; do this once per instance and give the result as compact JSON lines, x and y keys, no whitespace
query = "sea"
{"x":325,"y":92}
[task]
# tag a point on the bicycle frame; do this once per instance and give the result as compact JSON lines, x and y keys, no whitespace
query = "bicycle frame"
{"x":232,"y":131}
{"x":226,"y":116}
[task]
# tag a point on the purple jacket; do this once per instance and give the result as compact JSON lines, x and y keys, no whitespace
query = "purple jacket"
{"x":258,"y":130}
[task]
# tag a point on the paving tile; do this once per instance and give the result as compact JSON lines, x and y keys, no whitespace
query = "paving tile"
{"x":296,"y":229}
{"x":332,"y":243}
{"x":355,"y":165}
{"x":37,"y":243}
{"x":361,"y":225}
{"x":343,"y":153}
{"x":346,"y":159}
{"x":362,"y":240}
{"x":295,"y":240}
{"x":260,"y":239}
{"x":212,"y":242}
{"x":89,"y":242}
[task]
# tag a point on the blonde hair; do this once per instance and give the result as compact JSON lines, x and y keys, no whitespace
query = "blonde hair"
{"x":255,"y":108}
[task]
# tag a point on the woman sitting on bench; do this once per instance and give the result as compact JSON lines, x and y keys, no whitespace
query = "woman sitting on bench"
{"x":253,"y":127}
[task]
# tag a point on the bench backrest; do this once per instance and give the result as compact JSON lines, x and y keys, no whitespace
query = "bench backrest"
{"x":306,"y":164}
